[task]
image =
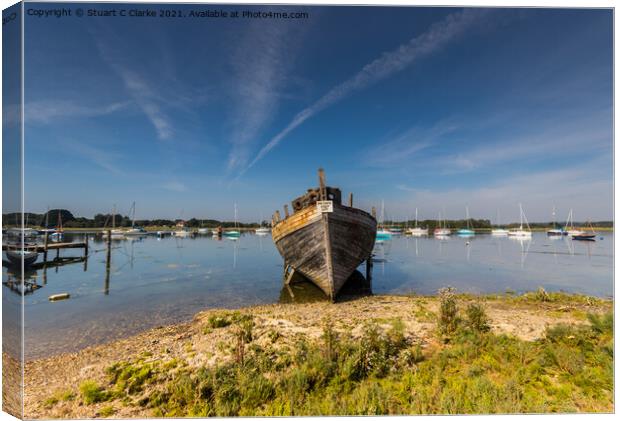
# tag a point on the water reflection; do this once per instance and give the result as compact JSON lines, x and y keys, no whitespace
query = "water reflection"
{"x":299,"y":290}
{"x":144,"y":282}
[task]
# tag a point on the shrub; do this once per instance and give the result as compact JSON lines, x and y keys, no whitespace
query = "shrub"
{"x":92,"y":393}
{"x":477,"y":319}
{"x":448,"y":311}
{"x":217,"y":321}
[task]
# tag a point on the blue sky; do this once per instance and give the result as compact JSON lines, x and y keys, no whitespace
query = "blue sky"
{"x":435,"y":108}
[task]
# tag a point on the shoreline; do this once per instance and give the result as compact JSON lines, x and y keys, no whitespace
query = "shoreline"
{"x":53,"y":384}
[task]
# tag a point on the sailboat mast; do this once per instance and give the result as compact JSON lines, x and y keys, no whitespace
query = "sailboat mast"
{"x":235,"y":216}
{"x":467,"y":215}
{"x":133,"y":214}
{"x":113,"y":216}
{"x":416,"y":217}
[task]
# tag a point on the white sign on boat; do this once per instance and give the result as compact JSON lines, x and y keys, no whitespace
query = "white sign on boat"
{"x":325,"y":206}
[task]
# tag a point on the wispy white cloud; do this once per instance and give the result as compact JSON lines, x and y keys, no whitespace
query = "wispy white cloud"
{"x":174,"y":186}
{"x":587,"y":189}
{"x":383,"y":67}
{"x":404,"y":146}
{"x":557,"y":138}
{"x":261,"y":63}
{"x":46,"y":111}
{"x":101,"y":157}
{"x":139,"y":89}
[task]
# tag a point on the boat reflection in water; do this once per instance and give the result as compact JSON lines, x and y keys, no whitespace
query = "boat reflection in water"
{"x":299,"y":290}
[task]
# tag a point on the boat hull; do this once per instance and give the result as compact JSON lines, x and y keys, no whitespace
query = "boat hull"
{"x":326,"y":248}
{"x":584,"y":237}
{"x":15,"y":257}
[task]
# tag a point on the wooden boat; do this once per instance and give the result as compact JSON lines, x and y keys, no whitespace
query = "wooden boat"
{"x":323,"y":239}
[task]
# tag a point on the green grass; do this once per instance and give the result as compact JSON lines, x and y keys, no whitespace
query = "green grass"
{"x":107,"y":411}
{"x":383,"y":372}
{"x":91,"y":392}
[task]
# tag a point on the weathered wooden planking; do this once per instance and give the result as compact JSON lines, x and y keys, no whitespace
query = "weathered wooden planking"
{"x":41,"y":247}
{"x":326,"y":248}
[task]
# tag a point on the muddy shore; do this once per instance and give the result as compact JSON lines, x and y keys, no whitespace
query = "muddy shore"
{"x":197,"y":344}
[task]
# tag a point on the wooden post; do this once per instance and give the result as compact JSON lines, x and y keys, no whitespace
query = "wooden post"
{"x":106,"y":288}
{"x":369,"y":273}
{"x":286,"y":211}
{"x":373,"y":212}
{"x":47,"y":234}
{"x":351,"y":200}
{"x":85,"y":252}
{"x":277,"y":215}
{"x":322,"y":191}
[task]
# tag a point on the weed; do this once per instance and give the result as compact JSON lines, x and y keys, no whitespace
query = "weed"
{"x":477,"y":319}
{"x":92,"y":393}
{"x":448,"y":311}
{"x":107,"y":411}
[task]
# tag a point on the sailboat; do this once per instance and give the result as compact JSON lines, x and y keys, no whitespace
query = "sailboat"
{"x":134,"y":230}
{"x":234,"y":233}
{"x":417,"y":231}
{"x":439,"y":231}
{"x":466,"y":232}
{"x":555,"y":230}
{"x":584,"y":236}
{"x":521,"y":233}
{"x":382,"y":232}
{"x":203,"y":229}
{"x":115,"y":234}
{"x":569,"y":228}
{"x":57,"y":235}
{"x":499,"y":231}
{"x":261,"y":230}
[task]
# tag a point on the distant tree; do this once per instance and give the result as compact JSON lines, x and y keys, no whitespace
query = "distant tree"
{"x":55,"y":216}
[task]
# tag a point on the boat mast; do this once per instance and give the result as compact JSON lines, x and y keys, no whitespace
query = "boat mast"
{"x":569,"y":219}
{"x":236,"y":216}
{"x":133,"y":214}
{"x":114,"y":216}
{"x":520,"y":217}
{"x":467,"y":215}
{"x":416,"y":217}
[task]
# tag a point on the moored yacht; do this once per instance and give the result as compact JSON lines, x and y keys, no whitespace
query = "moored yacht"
{"x":521,"y":233}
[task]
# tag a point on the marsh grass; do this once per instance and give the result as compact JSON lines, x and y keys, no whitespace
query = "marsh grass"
{"x":383,"y":371}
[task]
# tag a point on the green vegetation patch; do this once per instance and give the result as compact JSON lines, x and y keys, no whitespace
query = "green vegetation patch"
{"x":382,"y":371}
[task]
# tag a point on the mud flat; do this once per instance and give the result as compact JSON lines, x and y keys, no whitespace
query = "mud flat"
{"x":361,"y":345}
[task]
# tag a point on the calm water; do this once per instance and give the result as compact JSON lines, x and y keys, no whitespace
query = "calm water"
{"x":154,"y":281}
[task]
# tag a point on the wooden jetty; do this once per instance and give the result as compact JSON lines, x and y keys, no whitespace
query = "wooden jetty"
{"x":323,"y":239}
{"x":44,"y":248}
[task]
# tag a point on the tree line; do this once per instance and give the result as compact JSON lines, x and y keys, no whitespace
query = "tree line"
{"x":54,"y":217}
